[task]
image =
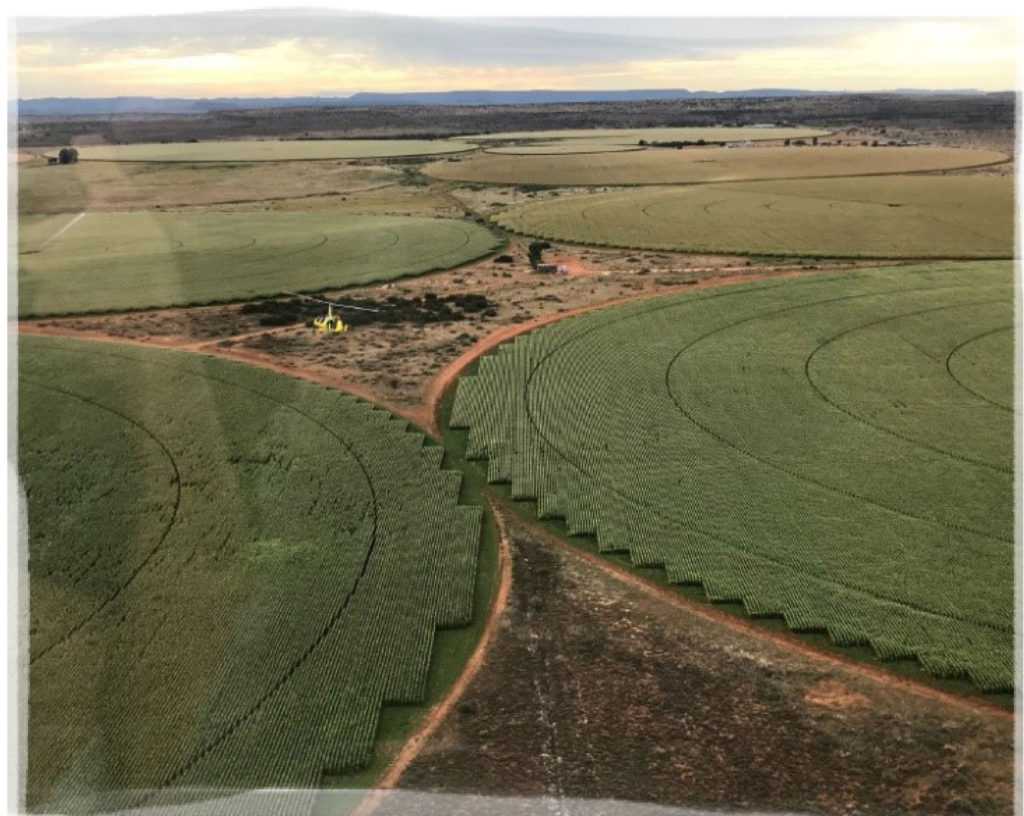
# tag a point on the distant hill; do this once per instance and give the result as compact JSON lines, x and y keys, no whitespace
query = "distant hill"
{"x":70,"y":106}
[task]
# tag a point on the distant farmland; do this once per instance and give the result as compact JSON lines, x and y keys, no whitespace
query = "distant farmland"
{"x":109,"y":261}
{"x":564,"y":147}
{"x":837,"y":450}
{"x":705,"y":164}
{"x":114,"y":186}
{"x":631,"y":136}
{"x":231,"y":571}
{"x":271,"y":150}
{"x":888,"y":216}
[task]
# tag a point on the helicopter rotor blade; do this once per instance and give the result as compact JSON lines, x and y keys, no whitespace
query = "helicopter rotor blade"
{"x":331,"y":302}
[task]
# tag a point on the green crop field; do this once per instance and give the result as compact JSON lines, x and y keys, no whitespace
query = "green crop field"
{"x":271,"y":150}
{"x":231,"y":571}
{"x":631,"y":136}
{"x":106,"y":261}
{"x":705,"y":164}
{"x":835,"y":449}
{"x":884,"y":216}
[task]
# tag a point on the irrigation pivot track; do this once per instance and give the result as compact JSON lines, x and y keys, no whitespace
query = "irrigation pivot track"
{"x":231,"y":571}
{"x":835,"y":449}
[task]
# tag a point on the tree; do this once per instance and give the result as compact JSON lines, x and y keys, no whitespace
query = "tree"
{"x":536,"y":250}
{"x":67,"y":155}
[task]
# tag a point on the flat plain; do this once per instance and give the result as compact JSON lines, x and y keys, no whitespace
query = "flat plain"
{"x":825,"y":449}
{"x":562,"y":148}
{"x":836,"y":450}
{"x":705,"y":164}
{"x":271,"y":150}
{"x":110,"y":261}
{"x":631,"y":136}
{"x":231,"y":572}
{"x":122,"y":186}
{"x":885,"y":216}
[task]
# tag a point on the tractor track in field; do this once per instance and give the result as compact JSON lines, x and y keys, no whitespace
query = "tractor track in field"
{"x":138,"y":568}
{"x":424,"y":415}
{"x":446,"y":379}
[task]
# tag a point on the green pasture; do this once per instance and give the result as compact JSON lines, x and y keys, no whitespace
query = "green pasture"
{"x":704,"y":164}
{"x":836,"y":450}
{"x":886,"y":216}
{"x":230,"y":573}
{"x":109,"y":261}
{"x":244,"y":150}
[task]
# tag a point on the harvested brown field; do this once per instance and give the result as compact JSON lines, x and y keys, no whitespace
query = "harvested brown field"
{"x":595,"y":689}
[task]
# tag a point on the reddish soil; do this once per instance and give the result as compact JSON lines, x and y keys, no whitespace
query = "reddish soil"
{"x":399,"y":363}
{"x":441,"y":709}
{"x":592,"y":681}
{"x":596,"y":688}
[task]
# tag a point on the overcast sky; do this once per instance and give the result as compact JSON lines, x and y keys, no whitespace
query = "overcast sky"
{"x":294,"y":52}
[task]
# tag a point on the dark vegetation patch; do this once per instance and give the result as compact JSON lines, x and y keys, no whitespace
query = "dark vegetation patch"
{"x":980,"y":113}
{"x":430,"y":308}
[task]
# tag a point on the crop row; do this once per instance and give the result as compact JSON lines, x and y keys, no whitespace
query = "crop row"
{"x":889,"y":217}
{"x":247,"y":633}
{"x":139,"y":260}
{"x":864,"y":493}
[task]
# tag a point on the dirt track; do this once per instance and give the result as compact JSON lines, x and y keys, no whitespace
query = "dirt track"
{"x":597,"y":687}
{"x":514,"y":725}
{"x":442,"y":708}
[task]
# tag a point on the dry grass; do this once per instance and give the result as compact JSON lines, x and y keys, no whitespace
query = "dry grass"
{"x":272,"y":150}
{"x":111,"y":186}
{"x":705,"y":164}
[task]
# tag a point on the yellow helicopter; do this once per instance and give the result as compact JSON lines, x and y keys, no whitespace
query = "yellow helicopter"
{"x":330,"y":323}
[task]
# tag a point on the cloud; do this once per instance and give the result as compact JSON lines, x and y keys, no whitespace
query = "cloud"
{"x":298,"y":52}
{"x":424,"y":41}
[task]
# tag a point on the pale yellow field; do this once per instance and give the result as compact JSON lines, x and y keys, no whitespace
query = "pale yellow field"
{"x":100,"y":186}
{"x":706,"y":164}
{"x":662,"y":134}
{"x":562,"y":147}
{"x":272,"y":150}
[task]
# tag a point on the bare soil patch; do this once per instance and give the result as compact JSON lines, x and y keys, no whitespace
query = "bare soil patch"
{"x":593,"y":686}
{"x":597,"y":689}
{"x":398,"y":359}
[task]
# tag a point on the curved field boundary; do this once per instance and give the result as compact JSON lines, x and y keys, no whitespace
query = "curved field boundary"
{"x":138,"y":568}
{"x":655,"y":134}
{"x":859,"y":417}
{"x":446,"y":380}
{"x":751,"y":627}
{"x":960,"y":382}
{"x":126,"y":261}
{"x":443,"y":706}
{"x":656,"y":167}
{"x":913,"y":217}
{"x":539,"y":150}
{"x":585,"y":504}
{"x":212,"y":752}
